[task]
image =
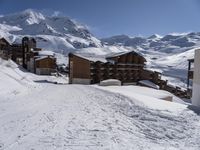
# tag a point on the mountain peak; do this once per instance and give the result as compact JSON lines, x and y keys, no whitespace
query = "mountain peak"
{"x":32,"y":16}
{"x":154,"y":36}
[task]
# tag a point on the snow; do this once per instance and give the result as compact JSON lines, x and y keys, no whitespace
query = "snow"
{"x":46,"y":53}
{"x":110,"y":82}
{"x":56,"y":33}
{"x":45,"y":115}
{"x":91,"y":57}
{"x":149,"y":84}
{"x":102,"y":51}
{"x":147,"y":96}
{"x":33,"y":17}
{"x":42,"y":57}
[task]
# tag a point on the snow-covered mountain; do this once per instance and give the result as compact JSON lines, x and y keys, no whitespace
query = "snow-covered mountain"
{"x":170,"y":43}
{"x":60,"y":34}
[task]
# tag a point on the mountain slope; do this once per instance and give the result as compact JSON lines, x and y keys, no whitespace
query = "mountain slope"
{"x":171,"y":43}
{"x":59,"y":34}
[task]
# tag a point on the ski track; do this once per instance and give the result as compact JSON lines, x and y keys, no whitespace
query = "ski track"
{"x":78,"y":117}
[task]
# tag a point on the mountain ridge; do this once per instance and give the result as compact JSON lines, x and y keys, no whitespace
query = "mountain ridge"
{"x":69,"y":34}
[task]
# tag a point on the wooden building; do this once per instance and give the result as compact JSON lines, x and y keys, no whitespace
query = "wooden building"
{"x":28,"y":45}
{"x":45,"y":65}
{"x":17,"y":53}
{"x":5,"y":49}
{"x":29,"y":56}
{"x":126,"y":67}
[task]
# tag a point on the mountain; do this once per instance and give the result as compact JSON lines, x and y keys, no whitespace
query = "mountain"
{"x":59,"y":34}
{"x":170,"y":43}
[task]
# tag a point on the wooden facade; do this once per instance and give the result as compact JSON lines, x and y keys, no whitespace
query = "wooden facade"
{"x":80,"y":69}
{"x":5,"y":49}
{"x":17,"y":53}
{"x":45,"y":65}
{"x":126,"y":67}
{"x":28,"y":44}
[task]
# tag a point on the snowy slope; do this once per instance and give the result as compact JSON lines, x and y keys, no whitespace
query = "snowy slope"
{"x":57,"y":116}
{"x":59,"y":34}
{"x":171,"y":43}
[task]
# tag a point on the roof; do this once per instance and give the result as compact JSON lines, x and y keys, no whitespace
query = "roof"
{"x":46,"y":53}
{"x":43,"y":57}
{"x":123,"y":53}
{"x":5,"y":40}
{"x":91,"y":57}
{"x":103,"y":58}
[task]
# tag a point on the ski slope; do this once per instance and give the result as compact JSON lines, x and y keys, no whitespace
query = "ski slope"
{"x":43,"y":115}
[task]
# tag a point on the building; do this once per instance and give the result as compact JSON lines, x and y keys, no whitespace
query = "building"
{"x":196,"y":80}
{"x":125,"y":66}
{"x":5,"y":49}
{"x":190,"y":72}
{"x":17,"y":53}
{"x":45,"y":65}
{"x":27,"y":55}
{"x":128,"y":67}
{"x":28,"y":45}
{"x":42,"y":62}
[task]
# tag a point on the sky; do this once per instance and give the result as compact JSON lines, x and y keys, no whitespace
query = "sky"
{"x":113,"y":17}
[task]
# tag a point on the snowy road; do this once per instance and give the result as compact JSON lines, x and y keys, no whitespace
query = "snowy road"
{"x":82,"y":117}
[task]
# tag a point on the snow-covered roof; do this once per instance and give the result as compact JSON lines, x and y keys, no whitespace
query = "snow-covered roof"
{"x":123,"y":53}
{"x":103,"y":58}
{"x":46,"y":53}
{"x":91,"y":57}
{"x":43,"y":57}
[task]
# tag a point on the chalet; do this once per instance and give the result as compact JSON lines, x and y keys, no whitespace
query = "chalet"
{"x":5,"y":49}
{"x":125,"y":66}
{"x":45,"y":65}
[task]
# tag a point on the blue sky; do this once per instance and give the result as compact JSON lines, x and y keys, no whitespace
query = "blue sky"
{"x":112,"y":17}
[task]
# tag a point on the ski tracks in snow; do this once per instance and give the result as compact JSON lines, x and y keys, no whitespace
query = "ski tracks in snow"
{"x":82,"y":117}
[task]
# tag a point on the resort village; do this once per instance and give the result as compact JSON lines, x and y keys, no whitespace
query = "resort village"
{"x":63,"y":88}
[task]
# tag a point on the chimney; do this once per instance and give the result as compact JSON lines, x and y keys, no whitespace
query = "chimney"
{"x":196,"y":80}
